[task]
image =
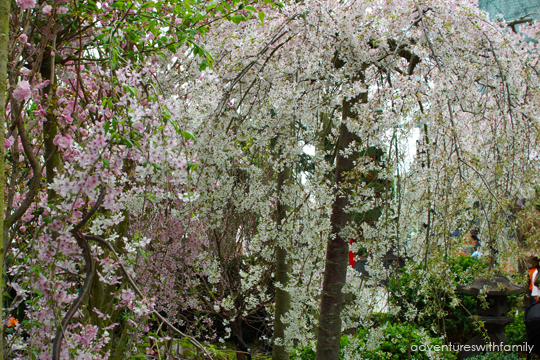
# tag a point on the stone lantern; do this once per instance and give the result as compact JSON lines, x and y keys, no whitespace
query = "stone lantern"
{"x":495,"y":317}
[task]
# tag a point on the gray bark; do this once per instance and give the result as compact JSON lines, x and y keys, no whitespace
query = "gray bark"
{"x":283,"y":270}
{"x":337,"y":248}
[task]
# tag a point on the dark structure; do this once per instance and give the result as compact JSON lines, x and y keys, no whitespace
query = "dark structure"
{"x":532,"y":326}
{"x":241,"y":347}
{"x":495,"y":317}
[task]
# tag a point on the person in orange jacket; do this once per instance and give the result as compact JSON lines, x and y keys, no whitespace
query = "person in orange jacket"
{"x":533,"y":275}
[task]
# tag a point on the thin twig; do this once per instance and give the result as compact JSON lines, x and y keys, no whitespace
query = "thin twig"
{"x":89,"y":269}
{"x":448,"y":103}
{"x":140,"y":294}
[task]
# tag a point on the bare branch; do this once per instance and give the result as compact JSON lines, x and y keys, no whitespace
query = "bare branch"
{"x":89,"y":269}
{"x":140,"y":294}
{"x":34,"y":183}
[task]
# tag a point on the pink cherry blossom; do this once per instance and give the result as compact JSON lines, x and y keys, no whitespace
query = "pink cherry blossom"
{"x":176,"y":218}
{"x":8,"y":142}
{"x":127,"y":297}
{"x":92,"y":182}
{"x":27,"y":217}
{"x":138,"y":126}
{"x":63,"y":142}
{"x":23,"y":91}
{"x":56,"y":225}
{"x":26,"y":4}
{"x":46,"y":9}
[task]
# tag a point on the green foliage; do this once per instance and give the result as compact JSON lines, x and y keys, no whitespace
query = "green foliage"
{"x":308,"y":353}
{"x":516,"y":331}
{"x":395,"y":345}
{"x":189,"y":350}
{"x":434,"y":300}
{"x":398,"y":339}
{"x":495,"y":356}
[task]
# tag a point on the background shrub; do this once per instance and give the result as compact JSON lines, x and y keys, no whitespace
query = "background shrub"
{"x":394,"y":345}
{"x":495,"y":356}
{"x":516,"y":331}
{"x":434,"y":303}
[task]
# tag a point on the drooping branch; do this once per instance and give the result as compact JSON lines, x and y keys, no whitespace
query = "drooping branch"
{"x":135,"y":288}
{"x":88,"y":268}
{"x":94,"y":208}
{"x":522,"y":20}
{"x":245,"y":70}
{"x":34,"y":183}
{"x":448,"y":103}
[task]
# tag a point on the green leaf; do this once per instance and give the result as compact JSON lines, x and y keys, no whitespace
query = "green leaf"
{"x":192,"y":166}
{"x":106,"y":162}
{"x":179,"y":9}
{"x":155,"y":166}
{"x":131,"y":90}
{"x":175,"y":125}
{"x":114,"y":60}
{"x":126,"y":142}
{"x":204,"y":65}
{"x":221,"y":9}
{"x":147,"y":5}
{"x":187,"y":135}
{"x":203,"y":30}
{"x":262,"y":15}
{"x":237,"y":19}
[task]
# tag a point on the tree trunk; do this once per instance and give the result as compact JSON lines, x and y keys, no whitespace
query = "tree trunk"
{"x":337,"y":248}
{"x":283,"y":270}
{"x":50,"y":129}
{"x":4,"y":41}
{"x":119,"y":352}
{"x":236,"y":327}
{"x":51,"y":151}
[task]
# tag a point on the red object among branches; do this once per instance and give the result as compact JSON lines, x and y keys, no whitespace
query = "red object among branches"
{"x":351,"y":254}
